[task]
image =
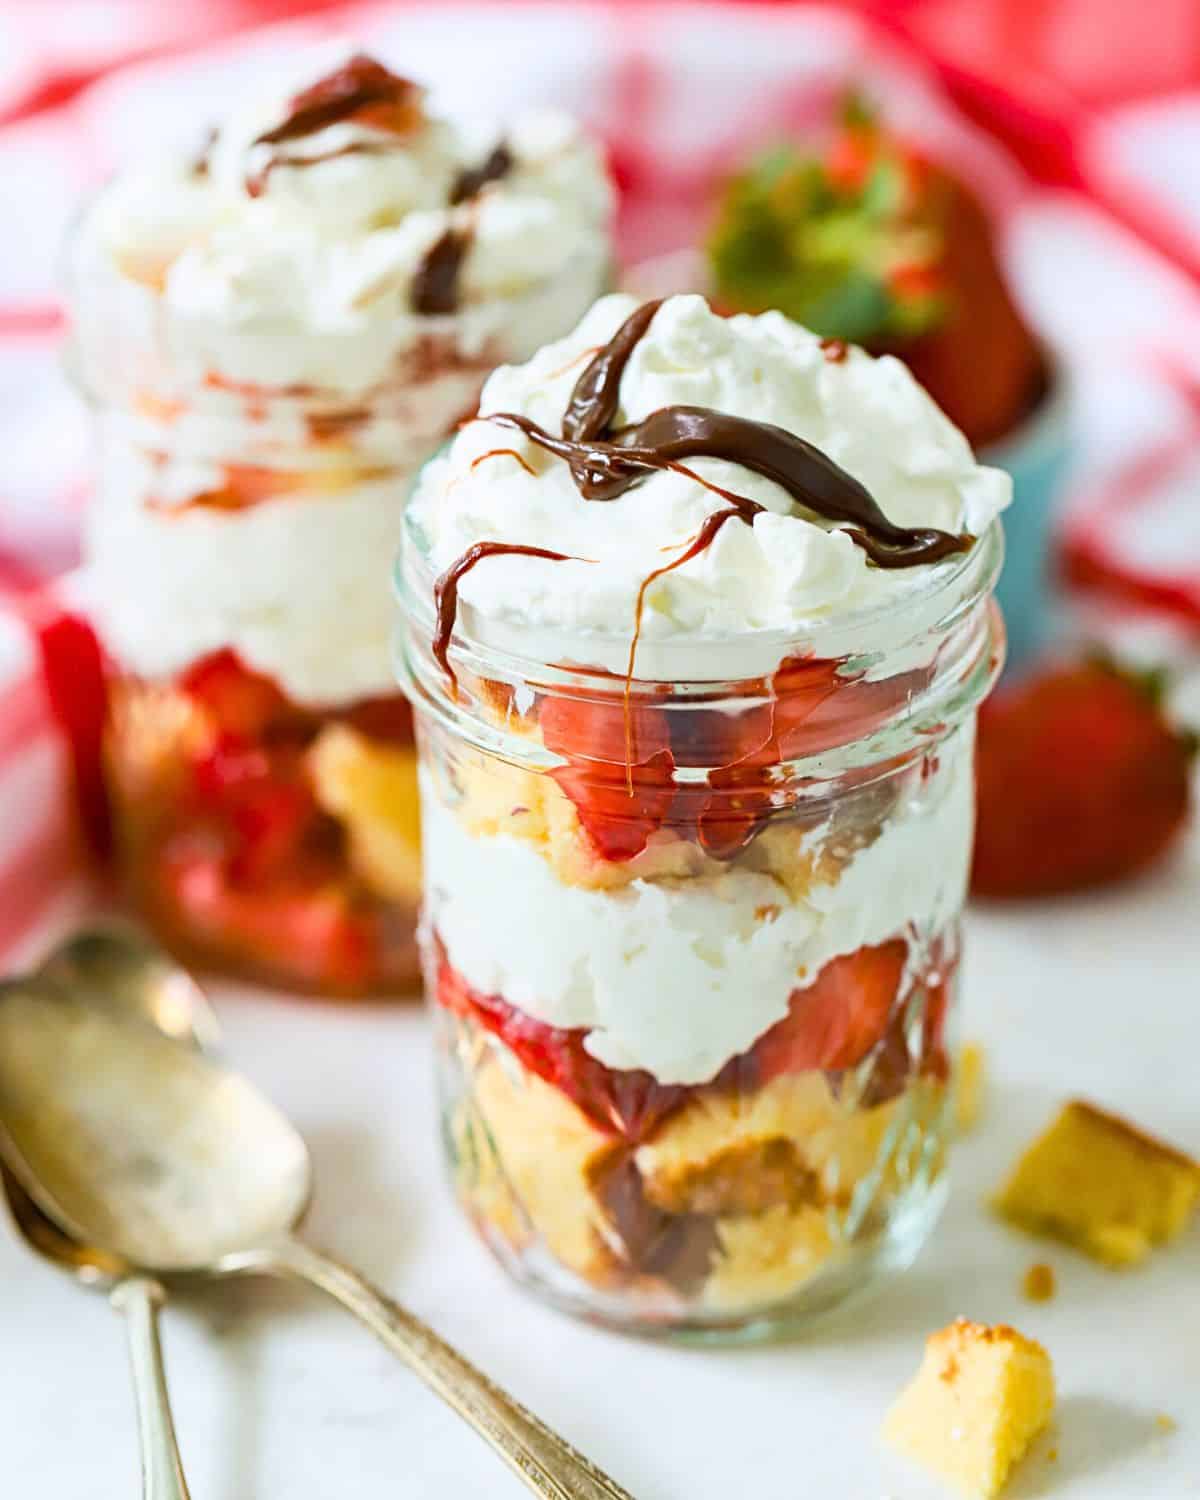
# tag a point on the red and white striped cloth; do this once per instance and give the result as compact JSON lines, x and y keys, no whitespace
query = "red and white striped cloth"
{"x":44,"y":870}
{"x":1098,"y":193}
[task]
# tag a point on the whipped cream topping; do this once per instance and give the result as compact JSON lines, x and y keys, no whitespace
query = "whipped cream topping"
{"x":324,"y":234}
{"x":678,"y":977}
{"x":788,"y":571}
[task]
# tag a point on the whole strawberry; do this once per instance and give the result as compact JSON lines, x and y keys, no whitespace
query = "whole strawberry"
{"x":1082,"y":781}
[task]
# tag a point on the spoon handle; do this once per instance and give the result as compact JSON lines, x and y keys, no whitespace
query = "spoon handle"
{"x":138,"y":1299}
{"x":546,"y":1462}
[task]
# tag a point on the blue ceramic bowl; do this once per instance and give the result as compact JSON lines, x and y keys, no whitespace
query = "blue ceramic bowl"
{"x":1037,"y":455}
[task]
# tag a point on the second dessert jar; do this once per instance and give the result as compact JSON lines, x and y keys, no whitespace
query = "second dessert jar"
{"x":275,"y":330}
{"x":697,"y":618}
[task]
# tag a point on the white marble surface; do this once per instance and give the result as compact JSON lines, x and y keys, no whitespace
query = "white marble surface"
{"x":277,"y":1395}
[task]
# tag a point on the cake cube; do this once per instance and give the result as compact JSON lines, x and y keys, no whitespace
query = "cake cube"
{"x":981,"y":1396}
{"x":372,"y":789}
{"x":1102,"y":1185}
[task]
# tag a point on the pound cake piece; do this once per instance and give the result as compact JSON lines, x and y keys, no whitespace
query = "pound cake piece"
{"x":763,"y":1257}
{"x":788,"y":1143}
{"x":372,"y":790}
{"x":1099,"y":1183}
{"x":550,"y":1155}
{"x":979,"y":1399}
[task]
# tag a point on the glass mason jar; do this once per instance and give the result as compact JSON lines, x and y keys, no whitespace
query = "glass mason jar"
{"x":250,"y":487}
{"x":692,"y":947}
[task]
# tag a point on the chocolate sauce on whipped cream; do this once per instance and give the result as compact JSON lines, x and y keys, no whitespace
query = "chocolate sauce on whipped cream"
{"x":434,"y":288}
{"x":445,"y":590}
{"x":471,"y":181}
{"x":435,"y":283}
{"x":605,"y":469}
{"x":256,"y":182}
{"x":593,"y":402}
{"x":606,"y":464}
{"x":365,"y":91}
{"x":361,"y":88}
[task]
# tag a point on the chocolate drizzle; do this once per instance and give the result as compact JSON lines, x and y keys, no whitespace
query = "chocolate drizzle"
{"x":435,"y":283}
{"x":471,"y":180}
{"x":606,"y":465}
{"x":593,"y":402}
{"x":605,"y":469}
{"x":445,"y":590}
{"x":361,"y":87}
{"x":434,"y":287}
{"x":256,"y":182}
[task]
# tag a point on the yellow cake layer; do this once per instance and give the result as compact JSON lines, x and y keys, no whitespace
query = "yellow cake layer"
{"x":371,"y":789}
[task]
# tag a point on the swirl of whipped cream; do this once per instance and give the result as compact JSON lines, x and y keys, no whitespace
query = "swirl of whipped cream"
{"x":257,"y":241}
{"x":788,"y":571}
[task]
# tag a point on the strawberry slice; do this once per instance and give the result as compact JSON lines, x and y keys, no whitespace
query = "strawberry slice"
{"x":806,"y":706}
{"x":624,"y":1102}
{"x":621,"y":810}
{"x":271,"y":827}
{"x":620,"y":804}
{"x":311,"y":931}
{"x":239,"y":701}
{"x":836,"y":1020}
{"x":259,"y":803}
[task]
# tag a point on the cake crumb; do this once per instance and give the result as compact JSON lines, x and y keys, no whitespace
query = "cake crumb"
{"x":1102,"y":1185}
{"x":1165,"y":1422}
{"x":974,"y":1426}
{"x":1039,"y":1283}
{"x":968,"y":1088}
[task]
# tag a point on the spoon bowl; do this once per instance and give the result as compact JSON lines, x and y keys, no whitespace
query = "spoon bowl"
{"x":169,"y":1160}
{"x":116,"y":967}
{"x":138,"y":1146}
{"x":113,"y":967}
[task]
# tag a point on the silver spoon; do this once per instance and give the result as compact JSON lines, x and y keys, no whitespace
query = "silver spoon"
{"x":178,"y":1165}
{"x":116,"y":968}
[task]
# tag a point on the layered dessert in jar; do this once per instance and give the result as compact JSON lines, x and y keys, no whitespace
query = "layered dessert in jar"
{"x":697,"y":619}
{"x":863,"y":235}
{"x":275,"y":330}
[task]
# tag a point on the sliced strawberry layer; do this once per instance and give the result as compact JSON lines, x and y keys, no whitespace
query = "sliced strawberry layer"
{"x":246,"y":865}
{"x":307,"y":928}
{"x":243,"y":702}
{"x":857,"y":1006}
{"x":237,"y":700}
{"x":622,"y":762}
{"x":628,"y":1103}
{"x":620,"y":772}
{"x":836,"y":1020}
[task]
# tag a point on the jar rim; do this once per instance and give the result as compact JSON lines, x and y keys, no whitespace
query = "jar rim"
{"x":877,"y":631}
